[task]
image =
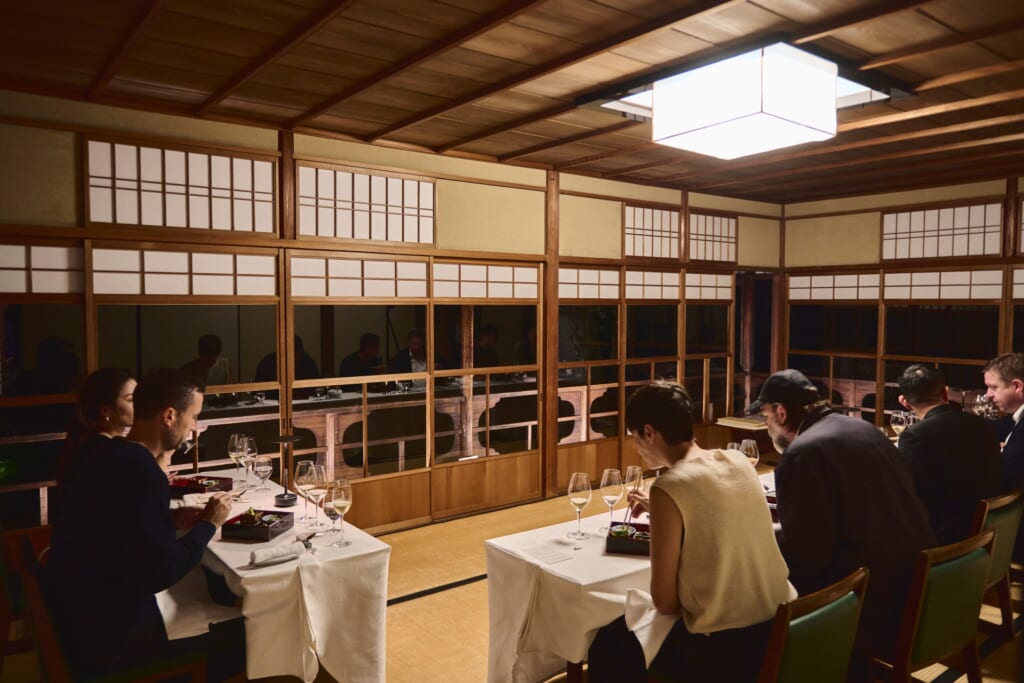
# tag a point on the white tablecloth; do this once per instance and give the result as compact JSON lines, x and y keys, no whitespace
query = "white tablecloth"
{"x":328,"y":606}
{"x":547,"y":600}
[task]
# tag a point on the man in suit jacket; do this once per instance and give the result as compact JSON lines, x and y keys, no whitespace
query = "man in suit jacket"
{"x":114,"y":543}
{"x":1004,"y":380}
{"x":953,"y":456}
{"x":845,"y":500}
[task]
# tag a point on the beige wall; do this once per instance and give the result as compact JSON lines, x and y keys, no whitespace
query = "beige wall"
{"x":757,"y":242}
{"x":567,"y":182}
{"x":833,"y":240}
{"x":881,"y":201}
{"x":116,"y":119}
{"x":477,"y":217}
{"x":589,"y":227}
{"x":714,"y":202}
{"x":387,"y":158}
{"x":37,"y":176}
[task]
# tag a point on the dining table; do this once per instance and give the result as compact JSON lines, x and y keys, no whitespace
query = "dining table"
{"x":324,"y":606}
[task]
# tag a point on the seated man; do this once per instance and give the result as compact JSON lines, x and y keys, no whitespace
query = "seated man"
{"x":953,"y":456}
{"x":413,"y":358}
{"x":114,"y":544}
{"x":845,"y":500}
{"x":364,"y":361}
{"x":1004,"y":380}
{"x":208,"y":367}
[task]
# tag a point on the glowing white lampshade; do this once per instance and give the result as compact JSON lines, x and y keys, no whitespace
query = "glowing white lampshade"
{"x":774,"y":97}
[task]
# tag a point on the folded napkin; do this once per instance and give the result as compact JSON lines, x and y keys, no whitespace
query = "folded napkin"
{"x":269,"y":554}
{"x":650,"y":626}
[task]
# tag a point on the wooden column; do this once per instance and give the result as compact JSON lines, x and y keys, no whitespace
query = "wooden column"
{"x":286,"y":185}
{"x":1011,"y":247}
{"x":780,"y":321}
{"x":549,"y":330}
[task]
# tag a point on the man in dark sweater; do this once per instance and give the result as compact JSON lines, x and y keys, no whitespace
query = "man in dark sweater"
{"x":953,"y":456}
{"x":845,"y":500}
{"x":114,"y":544}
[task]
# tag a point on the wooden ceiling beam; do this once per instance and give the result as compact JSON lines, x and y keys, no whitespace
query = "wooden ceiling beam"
{"x":877,"y":10}
{"x":584,"y":135}
{"x":145,"y":16}
{"x":591,"y":158}
{"x":939,"y":44}
{"x":580,"y":54}
{"x":969,"y":75}
{"x":935,"y":110}
{"x":482,"y":25}
{"x":274,"y":52}
{"x":549,"y":113}
{"x":637,"y":167}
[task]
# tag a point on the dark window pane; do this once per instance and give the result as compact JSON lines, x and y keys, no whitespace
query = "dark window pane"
{"x":41,"y":349}
{"x":964,"y":377}
{"x":44,"y":419}
{"x":938,"y":330}
{"x":220,"y":344}
{"x":833,"y":328}
{"x":587,"y":333}
{"x":693,"y":371}
{"x":652,"y":330}
{"x":502,"y":335}
{"x":707,"y":328}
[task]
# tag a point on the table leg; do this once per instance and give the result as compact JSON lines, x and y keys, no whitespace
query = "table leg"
{"x":574,"y":672}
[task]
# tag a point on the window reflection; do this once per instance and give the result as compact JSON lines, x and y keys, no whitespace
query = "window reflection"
{"x":652,"y":330}
{"x":502,"y":335}
{"x":707,"y":328}
{"x":587,"y":333}
{"x":833,"y":328}
{"x":960,"y":331}
{"x":41,"y":348}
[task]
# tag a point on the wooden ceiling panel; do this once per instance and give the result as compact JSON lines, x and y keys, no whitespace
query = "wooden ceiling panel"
{"x":258,"y":108}
{"x":949,"y":61}
{"x":426,"y":19}
{"x":332,"y":123}
{"x":1007,"y":46}
{"x":186,"y":57}
{"x":732,"y":21}
{"x":365,"y":39}
{"x":34,"y":75}
{"x":968,"y":16}
{"x":181,"y":29}
{"x":590,"y":19}
{"x":521,"y":45}
{"x":469,"y":64}
{"x":345,"y":66}
{"x":267,"y":17}
{"x":565,"y":83}
{"x":662,"y":46}
{"x":894,"y":32}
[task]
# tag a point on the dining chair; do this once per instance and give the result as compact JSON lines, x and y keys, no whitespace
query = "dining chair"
{"x":12,"y":599}
{"x":941,"y":613}
{"x":812,"y":637}
{"x":1003,"y":515}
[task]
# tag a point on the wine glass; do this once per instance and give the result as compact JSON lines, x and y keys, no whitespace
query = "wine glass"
{"x":263,"y":467}
{"x":304,"y":480}
{"x":248,"y":456}
{"x":236,"y":450}
{"x":316,"y":493}
{"x":579,"y":498}
{"x":732,"y":446}
{"x":634,"y":482}
{"x":898,"y":422}
{"x":981,"y":403}
{"x":611,"y":492}
{"x":749,"y":448}
{"x":341,"y":501}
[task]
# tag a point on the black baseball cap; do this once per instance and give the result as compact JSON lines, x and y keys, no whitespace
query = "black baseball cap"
{"x":789,"y":387}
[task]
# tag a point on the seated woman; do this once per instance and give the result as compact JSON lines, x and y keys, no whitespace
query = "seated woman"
{"x":714,"y":561}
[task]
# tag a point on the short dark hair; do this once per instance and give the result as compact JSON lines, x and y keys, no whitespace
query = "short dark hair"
{"x":99,"y":390}
{"x":922,"y":385}
{"x":165,"y":388}
{"x":1009,"y":366}
{"x":665,"y":406}
{"x":416,"y":332}
{"x":368,"y":339}
{"x":209,"y":344}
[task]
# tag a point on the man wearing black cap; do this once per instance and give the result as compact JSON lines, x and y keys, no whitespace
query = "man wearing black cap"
{"x":845,"y":500}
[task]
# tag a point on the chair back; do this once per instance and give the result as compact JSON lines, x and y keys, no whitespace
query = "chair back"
{"x":812,"y":637}
{"x":1003,"y":515}
{"x":944,"y":601}
{"x":52,"y":664}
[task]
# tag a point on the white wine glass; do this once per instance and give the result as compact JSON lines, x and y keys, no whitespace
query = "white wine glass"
{"x":341,"y":500}
{"x":236,"y":450}
{"x":634,"y":482}
{"x":249,"y":454}
{"x":749,"y":448}
{"x":612,"y":489}
{"x":316,"y":494}
{"x":304,"y":480}
{"x":898,"y":422}
{"x":579,"y":498}
{"x":331,"y":511}
{"x":263,"y":467}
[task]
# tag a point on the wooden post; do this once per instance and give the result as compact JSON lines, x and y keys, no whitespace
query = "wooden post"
{"x":549,"y":358}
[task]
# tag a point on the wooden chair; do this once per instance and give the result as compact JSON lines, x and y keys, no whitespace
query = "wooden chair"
{"x":1002,"y":514}
{"x":941,"y":614}
{"x":12,"y":599}
{"x":812,"y":637}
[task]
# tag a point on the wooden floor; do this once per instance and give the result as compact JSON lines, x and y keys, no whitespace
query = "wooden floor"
{"x":441,"y":635}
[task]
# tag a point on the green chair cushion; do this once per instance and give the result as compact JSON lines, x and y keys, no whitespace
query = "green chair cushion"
{"x":1005,"y":521}
{"x":819,"y":644}
{"x":952,"y":601}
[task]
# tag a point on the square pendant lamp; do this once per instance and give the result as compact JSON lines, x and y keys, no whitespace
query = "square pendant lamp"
{"x":774,"y":97}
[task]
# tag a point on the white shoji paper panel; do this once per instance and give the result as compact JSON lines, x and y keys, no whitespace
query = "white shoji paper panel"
{"x":40,"y":269}
{"x":851,"y":286}
{"x":334,"y":203}
{"x":588,"y":283}
{"x":946,"y":285}
{"x":130,"y":271}
{"x":476,"y":281}
{"x":1018,"y":283}
{"x":970,"y":230}
{"x":708,"y":287}
{"x":352,"y":277}
{"x":151,"y":186}
{"x":646,"y":284}
{"x":712,"y":238}
{"x":651,"y":232}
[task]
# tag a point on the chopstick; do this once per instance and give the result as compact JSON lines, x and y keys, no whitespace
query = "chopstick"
{"x":636,"y":485}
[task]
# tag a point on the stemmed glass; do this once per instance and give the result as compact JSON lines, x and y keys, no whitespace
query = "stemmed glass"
{"x":634,"y":482}
{"x":898,"y":422}
{"x":749,"y":448}
{"x":579,"y":498}
{"x":263,"y":467}
{"x":304,"y":480}
{"x":248,"y":456}
{"x":341,"y":501}
{"x":236,"y":451}
{"x":611,"y":492}
{"x":316,"y":493}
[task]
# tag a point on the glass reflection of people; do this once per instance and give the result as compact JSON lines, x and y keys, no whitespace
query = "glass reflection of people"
{"x":526,"y":349}
{"x":305,"y":366}
{"x":485,"y":353}
{"x":413,"y":358}
{"x":365,"y":360}
{"x":208,"y":366}
{"x":56,"y":370}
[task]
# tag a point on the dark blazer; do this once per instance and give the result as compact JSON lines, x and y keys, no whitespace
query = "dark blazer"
{"x":1012,"y":435}
{"x":113,"y":549}
{"x":845,"y":500}
{"x":954,"y":461}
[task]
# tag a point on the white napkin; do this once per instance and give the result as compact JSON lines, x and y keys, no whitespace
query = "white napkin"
{"x":268,"y":554}
{"x":650,"y":626}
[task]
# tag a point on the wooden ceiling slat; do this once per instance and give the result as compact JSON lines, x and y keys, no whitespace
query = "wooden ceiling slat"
{"x":584,"y":135}
{"x":296,"y":36}
{"x":551,"y":112}
{"x":583,"y":161}
{"x":946,"y":108}
{"x":875,"y":11}
{"x":969,"y":75}
{"x":573,"y":57}
{"x":149,"y":11}
{"x":931,"y":46}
